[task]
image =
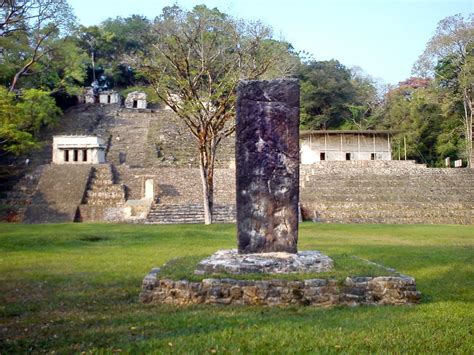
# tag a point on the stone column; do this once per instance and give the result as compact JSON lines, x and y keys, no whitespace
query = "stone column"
{"x":149,"y":194}
{"x":94,"y":156}
{"x":267,"y":166}
{"x":80,"y":156}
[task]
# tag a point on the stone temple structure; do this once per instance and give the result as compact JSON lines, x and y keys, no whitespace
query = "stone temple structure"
{"x":109,"y":97}
{"x":78,"y":150}
{"x":342,"y":145}
{"x":136,"y":99}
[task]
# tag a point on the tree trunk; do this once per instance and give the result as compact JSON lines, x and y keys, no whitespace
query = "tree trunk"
{"x":468,"y":121}
{"x":93,"y":66}
{"x":205,"y":194}
{"x":206,"y":191}
{"x":15,"y":80}
{"x":206,"y":168}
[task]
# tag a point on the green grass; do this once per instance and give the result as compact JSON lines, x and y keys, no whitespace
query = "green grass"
{"x":182,"y":268}
{"x":74,"y":287}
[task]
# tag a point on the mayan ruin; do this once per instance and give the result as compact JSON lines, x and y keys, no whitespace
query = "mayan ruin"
{"x":236,"y":177}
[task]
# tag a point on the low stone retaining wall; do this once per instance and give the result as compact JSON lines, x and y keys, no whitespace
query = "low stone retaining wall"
{"x":313,"y":292}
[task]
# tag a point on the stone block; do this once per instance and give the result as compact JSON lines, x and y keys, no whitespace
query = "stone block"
{"x":267,"y":163}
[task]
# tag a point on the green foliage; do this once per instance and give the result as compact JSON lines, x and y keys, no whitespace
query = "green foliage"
{"x":109,"y":45}
{"x":448,"y":57}
{"x":332,"y":96}
{"x":73,"y":288}
{"x":37,"y":109}
{"x":31,"y":32}
{"x":430,"y":135}
{"x":67,"y":69}
{"x":22,"y":117}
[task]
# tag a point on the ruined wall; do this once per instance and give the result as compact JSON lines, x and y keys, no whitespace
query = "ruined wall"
{"x":386,"y":192}
{"x":60,"y":191}
{"x":313,"y":292}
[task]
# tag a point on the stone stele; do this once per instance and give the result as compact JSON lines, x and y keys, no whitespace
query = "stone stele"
{"x":267,"y":164}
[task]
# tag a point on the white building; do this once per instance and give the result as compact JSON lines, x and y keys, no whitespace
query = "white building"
{"x":109,"y":97}
{"x":345,"y":145}
{"x":78,"y":150}
{"x":136,"y":99}
{"x":89,"y":97}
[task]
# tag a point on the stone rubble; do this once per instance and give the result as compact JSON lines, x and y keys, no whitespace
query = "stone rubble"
{"x":231,"y":262}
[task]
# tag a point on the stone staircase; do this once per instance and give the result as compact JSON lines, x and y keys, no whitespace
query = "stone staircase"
{"x":102,"y":194}
{"x":128,"y":139}
{"x":189,"y":213}
{"x":58,"y":194}
{"x":381,"y":193}
{"x":19,"y":191}
{"x":171,"y":140}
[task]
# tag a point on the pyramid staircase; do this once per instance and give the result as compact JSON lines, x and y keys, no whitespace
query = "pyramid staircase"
{"x":409,"y":194}
{"x":188,"y":213}
{"x":101,"y":195}
{"x":19,"y":187}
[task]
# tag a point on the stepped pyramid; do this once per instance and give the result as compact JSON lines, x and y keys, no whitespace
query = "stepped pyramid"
{"x":102,"y":195}
{"x":386,"y":192}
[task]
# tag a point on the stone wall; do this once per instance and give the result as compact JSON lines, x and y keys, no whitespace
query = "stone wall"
{"x":60,"y":191}
{"x":177,"y":185}
{"x":386,"y":192}
{"x":312,"y":292}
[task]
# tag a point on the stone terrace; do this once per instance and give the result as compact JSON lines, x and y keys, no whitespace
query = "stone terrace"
{"x":156,"y":145}
{"x":386,"y":192}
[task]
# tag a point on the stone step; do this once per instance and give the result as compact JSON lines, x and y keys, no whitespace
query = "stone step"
{"x":382,"y":181}
{"x":380,"y":216}
{"x":109,"y":188}
{"x":355,"y":196}
{"x":191,"y":213}
{"x":384,"y":205}
{"x":337,"y":212}
{"x":326,"y":190}
{"x":423,"y":220}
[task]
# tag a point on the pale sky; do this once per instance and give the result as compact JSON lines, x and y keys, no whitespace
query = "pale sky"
{"x":383,"y":37}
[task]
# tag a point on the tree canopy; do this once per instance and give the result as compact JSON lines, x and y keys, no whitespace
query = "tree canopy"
{"x":194,"y":63}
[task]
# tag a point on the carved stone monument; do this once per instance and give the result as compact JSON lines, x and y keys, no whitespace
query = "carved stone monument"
{"x":267,"y":163}
{"x":267,"y":174}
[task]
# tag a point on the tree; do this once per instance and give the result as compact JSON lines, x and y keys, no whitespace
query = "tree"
{"x":31,"y":29}
{"x":194,"y":64}
{"x":366,"y":102}
{"x":21,"y":118}
{"x":107,"y":45}
{"x":448,"y":58}
{"x":326,"y":89}
{"x":416,"y":113}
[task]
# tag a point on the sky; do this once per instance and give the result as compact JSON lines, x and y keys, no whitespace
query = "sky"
{"x":383,"y":37}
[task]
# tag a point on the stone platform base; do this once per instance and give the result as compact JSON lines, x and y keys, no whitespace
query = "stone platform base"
{"x":231,"y":262}
{"x":314,"y":292}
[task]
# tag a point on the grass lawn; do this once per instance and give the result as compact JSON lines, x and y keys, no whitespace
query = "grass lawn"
{"x":74,"y":287}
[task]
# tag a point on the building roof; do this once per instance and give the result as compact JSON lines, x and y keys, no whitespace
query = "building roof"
{"x":347,"y":131}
